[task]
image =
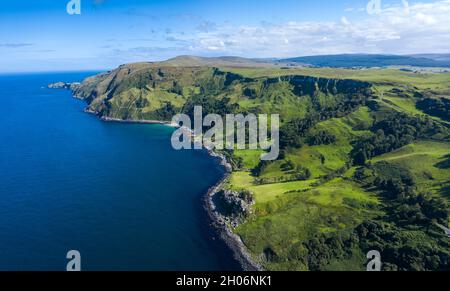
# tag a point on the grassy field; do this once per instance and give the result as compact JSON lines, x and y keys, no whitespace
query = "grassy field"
{"x":283,"y":221}
{"x":266,"y":193}
{"x":427,"y":161}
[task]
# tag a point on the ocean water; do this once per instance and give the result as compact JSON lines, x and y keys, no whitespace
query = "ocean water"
{"x":117,"y":193}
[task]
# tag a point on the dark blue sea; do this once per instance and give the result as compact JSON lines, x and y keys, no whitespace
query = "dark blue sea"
{"x":117,"y":193}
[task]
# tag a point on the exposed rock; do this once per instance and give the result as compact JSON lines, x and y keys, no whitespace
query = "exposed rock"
{"x":234,"y":206}
{"x":64,"y":85}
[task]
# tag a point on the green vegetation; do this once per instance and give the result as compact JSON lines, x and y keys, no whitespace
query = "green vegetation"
{"x":427,"y":161}
{"x":436,"y":107}
{"x":365,"y":160}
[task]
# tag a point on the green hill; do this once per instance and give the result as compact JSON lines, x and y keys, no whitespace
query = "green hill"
{"x":364,"y":162}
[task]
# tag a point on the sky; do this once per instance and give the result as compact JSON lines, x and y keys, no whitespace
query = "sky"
{"x":40,"y":35}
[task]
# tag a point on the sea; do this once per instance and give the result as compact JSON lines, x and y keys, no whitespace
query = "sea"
{"x":116,"y":193}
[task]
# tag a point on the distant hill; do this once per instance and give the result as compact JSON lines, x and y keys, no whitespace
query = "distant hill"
{"x":366,"y":60}
{"x":227,"y":61}
{"x":436,"y":57}
{"x":333,"y":61}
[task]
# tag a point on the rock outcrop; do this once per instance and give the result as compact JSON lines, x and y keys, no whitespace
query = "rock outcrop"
{"x":234,"y":206}
{"x":64,"y":85}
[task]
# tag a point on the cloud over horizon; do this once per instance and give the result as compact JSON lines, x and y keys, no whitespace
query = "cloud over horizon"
{"x":399,"y":29}
{"x":109,"y":33}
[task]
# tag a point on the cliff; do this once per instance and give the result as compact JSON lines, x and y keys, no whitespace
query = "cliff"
{"x":146,"y":91}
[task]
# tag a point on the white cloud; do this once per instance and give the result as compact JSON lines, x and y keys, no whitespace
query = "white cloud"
{"x":345,"y":21}
{"x":399,"y":29}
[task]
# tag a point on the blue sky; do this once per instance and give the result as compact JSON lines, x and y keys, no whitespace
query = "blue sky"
{"x":39,"y":35}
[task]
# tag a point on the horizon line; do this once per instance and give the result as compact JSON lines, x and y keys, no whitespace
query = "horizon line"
{"x":210,"y":57}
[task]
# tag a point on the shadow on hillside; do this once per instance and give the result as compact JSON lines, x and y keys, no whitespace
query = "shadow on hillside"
{"x":445,"y":164}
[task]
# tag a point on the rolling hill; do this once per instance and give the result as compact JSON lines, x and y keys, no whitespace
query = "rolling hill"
{"x":370,"y":61}
{"x":363,"y":165}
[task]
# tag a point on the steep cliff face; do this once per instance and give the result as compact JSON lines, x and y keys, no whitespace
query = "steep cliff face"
{"x":144,"y":91}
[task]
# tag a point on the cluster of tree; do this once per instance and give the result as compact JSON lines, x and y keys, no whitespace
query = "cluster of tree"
{"x":176,"y":88}
{"x":292,"y":133}
{"x":141,"y":102}
{"x":436,"y":107}
{"x":288,"y":166}
{"x":321,"y":138}
{"x":332,"y":175}
{"x":406,"y":210}
{"x":343,"y":107}
{"x":426,"y":251}
{"x":250,"y":93}
{"x":259,"y":169}
{"x":392,"y":133}
{"x":395,"y":181}
{"x":322,"y":249}
{"x":218,"y":82}
{"x":167,"y":111}
{"x":210,"y":105}
{"x":419,"y":209}
{"x":406,"y":236}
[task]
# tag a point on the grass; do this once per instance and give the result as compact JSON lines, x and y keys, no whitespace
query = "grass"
{"x":423,"y":159}
{"x":407,"y":105}
{"x":288,"y":214}
{"x":355,"y":263}
{"x":250,"y":158}
{"x":387,"y":77}
{"x":323,"y":159}
{"x":266,"y":193}
{"x":282,"y":224}
{"x":336,"y":192}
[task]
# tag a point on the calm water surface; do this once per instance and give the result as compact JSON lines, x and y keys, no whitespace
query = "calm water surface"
{"x":118,"y":193}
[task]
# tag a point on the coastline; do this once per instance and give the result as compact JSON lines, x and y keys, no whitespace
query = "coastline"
{"x":132,"y":121}
{"x":216,"y":221}
{"x":108,"y":119}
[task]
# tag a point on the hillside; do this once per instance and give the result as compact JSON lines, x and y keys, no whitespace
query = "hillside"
{"x":364,"y":162}
{"x":146,"y":92}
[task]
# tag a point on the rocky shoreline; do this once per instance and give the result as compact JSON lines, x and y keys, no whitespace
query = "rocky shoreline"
{"x":218,"y":222}
{"x":109,"y":119}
